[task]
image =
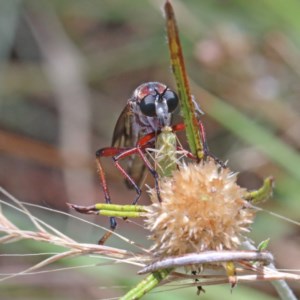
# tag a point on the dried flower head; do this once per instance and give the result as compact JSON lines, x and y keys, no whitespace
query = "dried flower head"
{"x":202,"y":209}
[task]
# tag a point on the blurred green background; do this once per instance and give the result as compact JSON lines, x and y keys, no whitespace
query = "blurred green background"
{"x":67,"y":69}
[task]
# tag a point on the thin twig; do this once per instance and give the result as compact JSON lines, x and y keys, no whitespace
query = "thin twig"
{"x":208,"y":257}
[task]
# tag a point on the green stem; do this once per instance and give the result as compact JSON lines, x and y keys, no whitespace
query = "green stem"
{"x":120,"y":207}
{"x":187,"y":107}
{"x":121,"y":211}
{"x":263,"y":193}
{"x":146,"y":285}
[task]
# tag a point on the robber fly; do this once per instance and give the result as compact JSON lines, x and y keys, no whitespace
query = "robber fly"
{"x":146,"y":113}
{"x":148,"y":110}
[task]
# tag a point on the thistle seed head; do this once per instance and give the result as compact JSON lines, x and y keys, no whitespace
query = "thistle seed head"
{"x":202,"y":209}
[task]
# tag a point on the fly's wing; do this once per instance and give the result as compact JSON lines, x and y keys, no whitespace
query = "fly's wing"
{"x":123,"y":137}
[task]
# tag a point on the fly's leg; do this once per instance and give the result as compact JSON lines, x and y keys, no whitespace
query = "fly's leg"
{"x":112,"y":220}
{"x":139,"y":150}
{"x":106,"y":152}
{"x":203,"y":138}
{"x":152,"y":171}
{"x":118,"y":154}
{"x":206,"y":152}
{"x":143,"y":143}
{"x":124,"y":172}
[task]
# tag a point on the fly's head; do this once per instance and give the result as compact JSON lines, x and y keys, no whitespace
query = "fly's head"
{"x":154,"y":103}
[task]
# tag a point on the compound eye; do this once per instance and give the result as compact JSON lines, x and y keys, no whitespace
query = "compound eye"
{"x":147,"y":106}
{"x":172,"y":100}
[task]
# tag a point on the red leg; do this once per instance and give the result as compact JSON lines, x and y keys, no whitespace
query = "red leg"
{"x":203,"y":138}
{"x":120,"y":156}
{"x":116,"y":153}
{"x":107,"y":152}
{"x":139,"y":150}
{"x":112,"y":220}
{"x":181,"y":126}
{"x":142,"y":144}
{"x":120,"y":153}
{"x":145,"y":141}
{"x":187,"y":153}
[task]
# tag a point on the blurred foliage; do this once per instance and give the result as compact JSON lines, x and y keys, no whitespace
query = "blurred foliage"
{"x":67,"y":69}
